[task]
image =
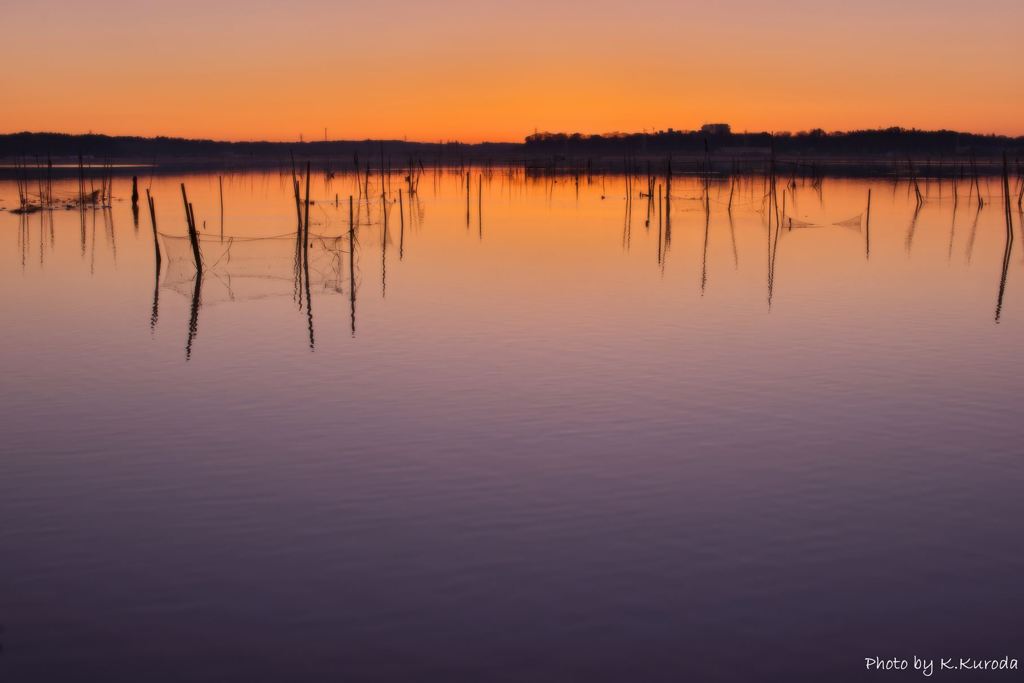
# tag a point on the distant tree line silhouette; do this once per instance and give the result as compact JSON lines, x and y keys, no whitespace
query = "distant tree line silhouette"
{"x":541,"y":150}
{"x":719,"y":138}
{"x":26,"y":144}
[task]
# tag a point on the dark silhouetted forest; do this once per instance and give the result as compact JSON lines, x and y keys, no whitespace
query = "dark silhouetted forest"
{"x":715,"y":146}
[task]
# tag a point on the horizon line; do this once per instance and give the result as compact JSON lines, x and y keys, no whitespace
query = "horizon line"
{"x":522,"y":140}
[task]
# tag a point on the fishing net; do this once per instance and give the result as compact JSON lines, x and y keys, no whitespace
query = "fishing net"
{"x":852,"y":223}
{"x":790,"y":222}
{"x":248,"y":268}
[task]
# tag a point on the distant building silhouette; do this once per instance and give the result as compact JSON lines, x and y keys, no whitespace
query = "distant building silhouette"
{"x":716,"y":129}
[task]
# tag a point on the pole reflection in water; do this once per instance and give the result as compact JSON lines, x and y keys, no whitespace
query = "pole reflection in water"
{"x":193,"y":322}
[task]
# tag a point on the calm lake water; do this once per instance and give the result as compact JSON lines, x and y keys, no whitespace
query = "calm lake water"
{"x":552,"y":437}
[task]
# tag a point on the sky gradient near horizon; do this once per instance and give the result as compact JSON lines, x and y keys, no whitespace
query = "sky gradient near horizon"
{"x":486,"y":70}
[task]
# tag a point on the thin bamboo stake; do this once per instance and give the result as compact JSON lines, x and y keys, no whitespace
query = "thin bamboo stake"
{"x":352,"y":264}
{"x":306,"y":221}
{"x":152,"y":222}
{"x":401,"y":232}
{"x":867,"y":228}
{"x":193,"y":237}
{"x":1008,"y":249}
{"x":220,"y":182}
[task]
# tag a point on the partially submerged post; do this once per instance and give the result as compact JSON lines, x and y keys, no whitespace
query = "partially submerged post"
{"x":305,"y":266}
{"x":659,"y":223}
{"x":81,"y":183}
{"x":401,"y":230}
{"x":976,"y":184}
{"x":220,"y":182}
{"x":135,"y":195}
{"x":704,"y":258}
{"x":298,"y":198}
{"x":668,"y":201}
{"x":1008,"y":249}
{"x":305,"y":229}
{"x":352,"y":264}
{"x":193,"y":236}
{"x":49,"y":181}
{"x":1006,"y":199}
{"x":867,"y":227}
{"x":156,"y":249}
{"x":152,"y":222}
{"x":384,"y":247}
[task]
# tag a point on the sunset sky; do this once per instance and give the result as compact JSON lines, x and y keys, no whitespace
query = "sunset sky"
{"x":485,"y":70}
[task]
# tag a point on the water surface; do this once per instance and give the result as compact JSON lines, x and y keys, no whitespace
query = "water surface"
{"x":553,"y":435}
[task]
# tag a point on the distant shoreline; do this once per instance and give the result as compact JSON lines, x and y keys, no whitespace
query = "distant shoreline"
{"x":715,"y":149}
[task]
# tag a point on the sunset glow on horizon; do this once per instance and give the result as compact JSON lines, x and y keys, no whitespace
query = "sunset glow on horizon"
{"x":475,"y":71}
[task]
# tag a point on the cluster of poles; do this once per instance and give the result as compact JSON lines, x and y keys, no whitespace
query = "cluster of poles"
{"x":657,"y":190}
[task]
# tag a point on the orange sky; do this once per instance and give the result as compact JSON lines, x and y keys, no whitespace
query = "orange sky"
{"x":455,"y":69}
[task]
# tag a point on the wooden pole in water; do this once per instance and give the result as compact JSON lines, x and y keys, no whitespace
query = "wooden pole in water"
{"x":384,"y":247}
{"x":305,"y":230}
{"x":305,"y":261}
{"x":81,"y":183}
{"x":659,"y":223}
{"x":304,"y":255}
{"x":135,"y":195}
{"x":298,"y":198}
{"x":867,"y":227}
{"x":977,"y":185}
{"x":1008,"y":248}
{"x":220,"y":182}
{"x":401,"y":230}
{"x":152,"y":221}
{"x":1006,"y":198}
{"x":352,"y":264}
{"x":668,"y":203}
{"x":193,"y":237}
